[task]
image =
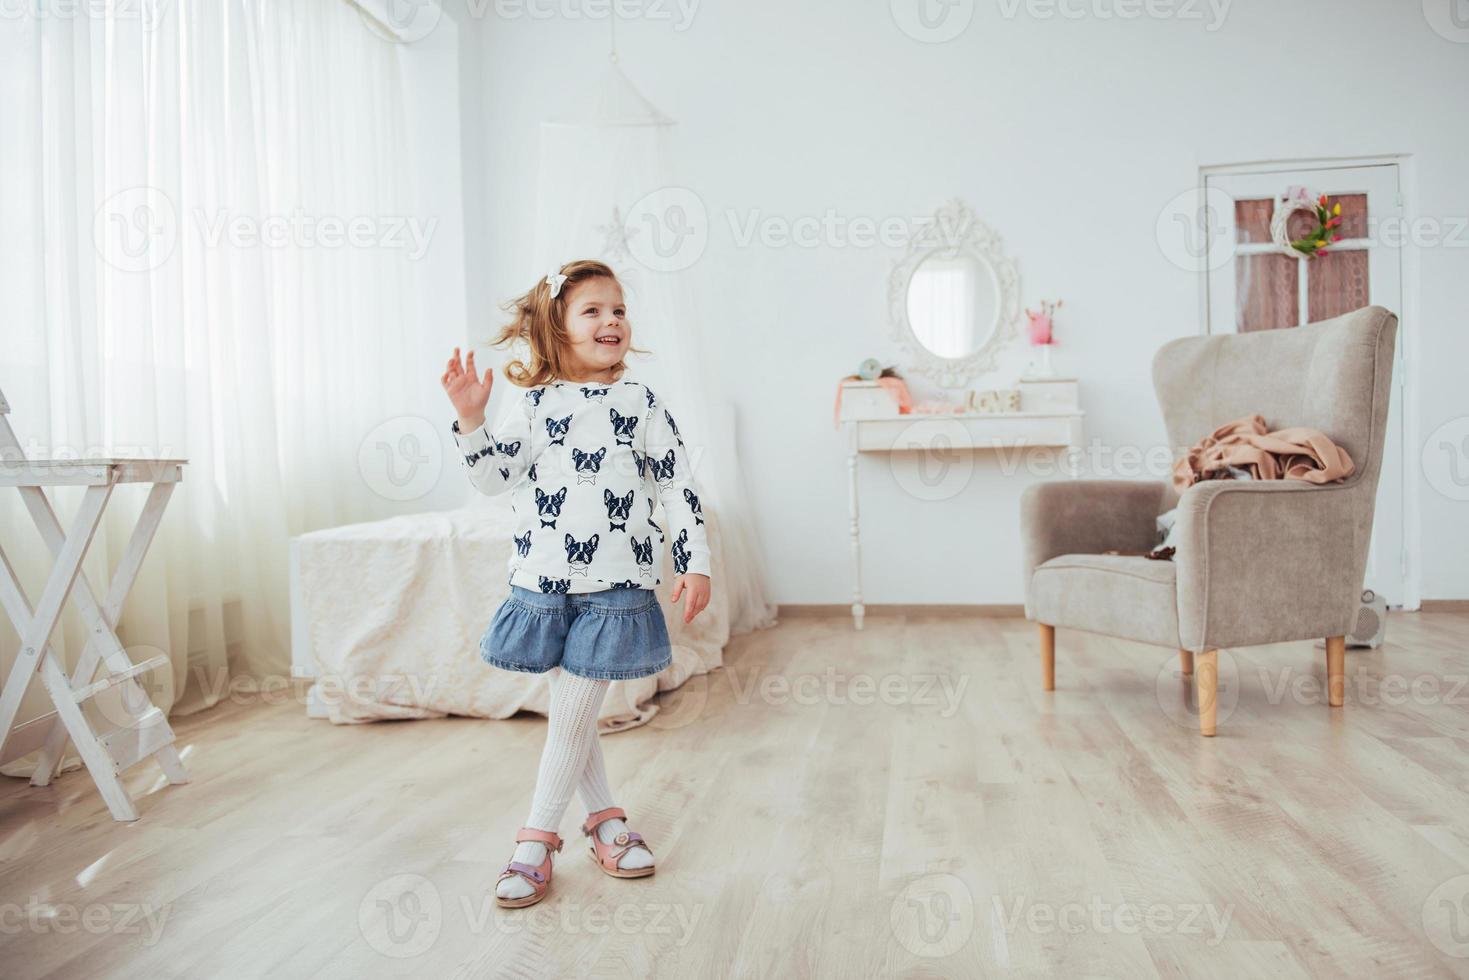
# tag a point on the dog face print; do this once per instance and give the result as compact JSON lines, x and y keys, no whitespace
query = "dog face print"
{"x":623,"y":426}
{"x":472,"y":458}
{"x":617,"y":509}
{"x":681,"y":553}
{"x":594,"y":394}
{"x":625,"y":584}
{"x":549,"y":505}
{"x":673,"y":426}
{"x":693,"y":501}
{"x":588,"y":465}
{"x":579,"y":553}
{"x":556,"y":429}
{"x":652,"y":402}
{"x":642,"y":552}
{"x":554,"y":586}
{"x":531,"y":472}
{"x":641,"y":461}
{"x":507,"y":449}
{"x":650,"y":520}
{"x":535,"y":395}
{"x":663,"y":468}
{"x":522,"y":548}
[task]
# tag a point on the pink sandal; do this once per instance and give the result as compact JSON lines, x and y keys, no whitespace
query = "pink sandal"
{"x":607,"y":855}
{"x":539,"y":877}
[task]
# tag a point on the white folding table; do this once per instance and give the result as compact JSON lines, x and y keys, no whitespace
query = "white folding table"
{"x":140,"y":734}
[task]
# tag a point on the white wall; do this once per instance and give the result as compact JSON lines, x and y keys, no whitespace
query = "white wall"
{"x":1068,"y":136}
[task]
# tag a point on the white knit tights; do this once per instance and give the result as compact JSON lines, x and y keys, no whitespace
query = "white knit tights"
{"x":571,"y":761}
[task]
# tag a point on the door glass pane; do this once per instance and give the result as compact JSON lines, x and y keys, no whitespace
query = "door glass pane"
{"x":1353,"y":215}
{"x":1252,"y":219}
{"x":1336,"y":283}
{"x":1266,"y":289}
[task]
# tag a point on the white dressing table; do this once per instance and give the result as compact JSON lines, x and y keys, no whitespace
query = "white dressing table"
{"x":954,"y":307}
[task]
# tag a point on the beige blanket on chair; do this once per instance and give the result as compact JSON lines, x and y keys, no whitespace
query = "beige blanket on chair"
{"x":1296,"y":453}
{"x":396,"y":608}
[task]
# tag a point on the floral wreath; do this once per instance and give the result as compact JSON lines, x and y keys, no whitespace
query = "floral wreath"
{"x":1316,"y":241}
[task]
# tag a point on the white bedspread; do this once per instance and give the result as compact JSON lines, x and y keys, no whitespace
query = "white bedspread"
{"x":395,"y":610}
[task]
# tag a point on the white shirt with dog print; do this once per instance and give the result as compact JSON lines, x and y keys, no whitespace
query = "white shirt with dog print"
{"x":583,"y":462}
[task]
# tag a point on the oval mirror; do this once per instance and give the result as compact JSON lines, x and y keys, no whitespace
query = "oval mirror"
{"x":953,"y":303}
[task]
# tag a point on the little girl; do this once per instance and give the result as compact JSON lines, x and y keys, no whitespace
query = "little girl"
{"x":583,"y":454}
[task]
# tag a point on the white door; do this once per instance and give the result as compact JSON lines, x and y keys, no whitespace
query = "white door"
{"x":1256,"y":286}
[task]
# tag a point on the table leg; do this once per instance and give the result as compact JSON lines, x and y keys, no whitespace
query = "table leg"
{"x":101,"y":619}
{"x":35,"y":626}
{"x":858,"y":610}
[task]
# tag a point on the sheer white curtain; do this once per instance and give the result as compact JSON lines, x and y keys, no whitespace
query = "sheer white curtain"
{"x":605,"y":179}
{"x":207,"y":253}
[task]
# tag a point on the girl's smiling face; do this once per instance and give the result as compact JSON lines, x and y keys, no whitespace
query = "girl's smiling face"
{"x":597,"y":328}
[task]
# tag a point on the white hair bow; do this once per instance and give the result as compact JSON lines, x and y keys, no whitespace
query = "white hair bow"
{"x":555,"y":280}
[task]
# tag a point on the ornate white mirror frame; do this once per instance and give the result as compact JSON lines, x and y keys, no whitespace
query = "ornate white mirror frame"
{"x":955,"y":230}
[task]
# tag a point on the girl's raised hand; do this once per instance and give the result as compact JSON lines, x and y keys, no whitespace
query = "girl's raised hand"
{"x":469,"y":394}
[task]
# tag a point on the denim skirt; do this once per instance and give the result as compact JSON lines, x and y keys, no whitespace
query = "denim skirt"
{"x":612,"y":635}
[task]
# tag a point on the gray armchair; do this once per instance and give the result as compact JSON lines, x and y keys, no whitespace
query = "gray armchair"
{"x":1257,"y":562}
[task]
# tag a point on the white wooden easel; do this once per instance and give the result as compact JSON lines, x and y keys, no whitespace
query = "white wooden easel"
{"x":106,"y":754}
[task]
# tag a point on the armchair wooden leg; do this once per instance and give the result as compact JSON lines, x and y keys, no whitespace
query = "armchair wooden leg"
{"x":1336,"y":670}
{"x":1186,"y":658}
{"x":1206,"y":681}
{"x":1048,"y":657}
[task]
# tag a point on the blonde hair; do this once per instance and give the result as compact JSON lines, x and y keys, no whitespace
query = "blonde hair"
{"x":539,"y":319}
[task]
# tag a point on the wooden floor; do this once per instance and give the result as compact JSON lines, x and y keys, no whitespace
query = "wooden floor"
{"x":900,"y":801}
